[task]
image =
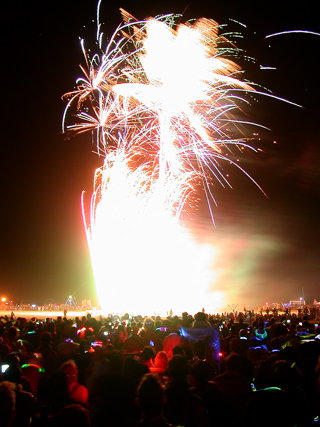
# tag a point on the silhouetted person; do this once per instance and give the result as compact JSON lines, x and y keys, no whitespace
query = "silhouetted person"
{"x":182,"y":406}
{"x":235,"y":388}
{"x":48,"y":354}
{"x":7,"y":403}
{"x":150,"y":396}
{"x":76,"y":392}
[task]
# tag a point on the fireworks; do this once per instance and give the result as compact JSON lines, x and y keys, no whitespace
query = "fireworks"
{"x":162,"y":100}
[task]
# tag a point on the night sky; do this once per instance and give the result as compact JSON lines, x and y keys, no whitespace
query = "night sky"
{"x":269,"y":246}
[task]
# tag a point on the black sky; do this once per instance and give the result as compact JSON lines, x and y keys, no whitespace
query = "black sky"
{"x":44,"y":252}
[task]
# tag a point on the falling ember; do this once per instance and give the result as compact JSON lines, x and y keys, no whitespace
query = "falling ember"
{"x":161,"y":100}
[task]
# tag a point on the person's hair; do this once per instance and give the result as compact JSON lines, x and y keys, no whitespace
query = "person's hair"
{"x":177,"y":368}
{"x":150,"y":395}
{"x":148,"y":322}
{"x":12,"y":333}
{"x":201,"y":317}
{"x":71,"y":371}
{"x":234,"y":362}
{"x":234,"y":330}
{"x":178,"y":350}
{"x":161,"y":360}
{"x":74,"y":414}
{"x":235,"y":345}
{"x":148,"y":352}
{"x":45,"y":338}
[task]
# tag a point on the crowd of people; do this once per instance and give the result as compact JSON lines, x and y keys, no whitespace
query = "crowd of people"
{"x":238,"y":368}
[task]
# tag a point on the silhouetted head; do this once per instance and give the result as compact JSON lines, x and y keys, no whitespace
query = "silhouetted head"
{"x":150,"y":396}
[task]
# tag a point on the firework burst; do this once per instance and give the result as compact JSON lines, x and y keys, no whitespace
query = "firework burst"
{"x":162,"y":101}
